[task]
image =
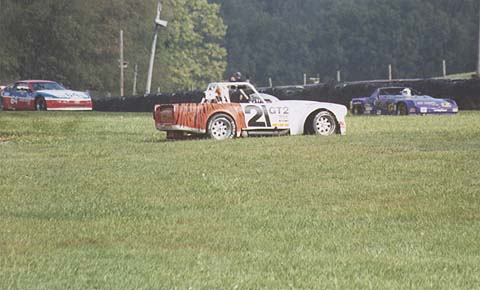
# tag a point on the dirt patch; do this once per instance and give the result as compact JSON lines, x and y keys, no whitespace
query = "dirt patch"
{"x":5,"y":139}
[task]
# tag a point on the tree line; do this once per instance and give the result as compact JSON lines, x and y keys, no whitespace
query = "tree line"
{"x":283,"y":39}
{"x":76,"y":41}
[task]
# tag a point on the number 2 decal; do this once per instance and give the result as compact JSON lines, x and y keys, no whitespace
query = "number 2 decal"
{"x":260,"y":111}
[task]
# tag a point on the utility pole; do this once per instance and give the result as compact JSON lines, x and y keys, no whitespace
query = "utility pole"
{"x":121,"y":64}
{"x":444,"y":63}
{"x":135,"y":75}
{"x":158,"y":23}
{"x":478,"y":65}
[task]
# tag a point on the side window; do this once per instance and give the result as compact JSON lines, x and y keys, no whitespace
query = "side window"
{"x":238,"y":95}
{"x":22,"y":87}
{"x":37,"y":86}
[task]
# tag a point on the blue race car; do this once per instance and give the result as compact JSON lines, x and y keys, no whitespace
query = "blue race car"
{"x":401,"y":101}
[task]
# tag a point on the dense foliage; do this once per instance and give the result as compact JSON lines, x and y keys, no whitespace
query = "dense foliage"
{"x":76,"y":41}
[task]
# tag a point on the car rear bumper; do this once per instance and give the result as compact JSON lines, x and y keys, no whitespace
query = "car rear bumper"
{"x":178,"y":128}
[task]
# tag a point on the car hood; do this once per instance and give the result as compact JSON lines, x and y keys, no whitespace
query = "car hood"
{"x":63,"y":94}
{"x":337,"y":108}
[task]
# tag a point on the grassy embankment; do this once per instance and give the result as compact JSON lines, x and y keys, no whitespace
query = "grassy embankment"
{"x":100,"y":201}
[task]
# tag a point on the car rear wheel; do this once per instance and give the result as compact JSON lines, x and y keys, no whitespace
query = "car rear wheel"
{"x":324,"y":124}
{"x":221,"y":127}
{"x":40,"y":104}
{"x":402,"y":109}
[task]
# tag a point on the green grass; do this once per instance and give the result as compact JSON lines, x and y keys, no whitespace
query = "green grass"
{"x":468,"y":75}
{"x":101,"y":201}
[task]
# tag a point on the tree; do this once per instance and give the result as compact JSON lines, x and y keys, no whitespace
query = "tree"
{"x":191,"y":54}
{"x":76,"y":42}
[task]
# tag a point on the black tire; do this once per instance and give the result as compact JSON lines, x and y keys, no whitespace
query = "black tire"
{"x":324,"y":124}
{"x":221,"y":127}
{"x":40,"y":104}
{"x":402,"y":109}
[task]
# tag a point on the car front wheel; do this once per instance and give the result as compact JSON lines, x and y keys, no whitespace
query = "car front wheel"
{"x":221,"y":127}
{"x":324,"y":124}
{"x":40,"y":104}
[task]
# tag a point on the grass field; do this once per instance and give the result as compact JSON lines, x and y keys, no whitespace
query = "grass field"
{"x":462,"y":75}
{"x":101,"y":201}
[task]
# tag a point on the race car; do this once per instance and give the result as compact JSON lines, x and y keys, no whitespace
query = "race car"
{"x":43,"y":95}
{"x":401,"y":101}
{"x":237,"y":109}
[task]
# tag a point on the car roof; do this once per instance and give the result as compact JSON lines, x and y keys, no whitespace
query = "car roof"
{"x":231,"y":84}
{"x":387,"y":88}
{"x":34,"y":81}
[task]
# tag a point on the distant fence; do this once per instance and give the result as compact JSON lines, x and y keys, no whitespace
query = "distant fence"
{"x":465,"y":92}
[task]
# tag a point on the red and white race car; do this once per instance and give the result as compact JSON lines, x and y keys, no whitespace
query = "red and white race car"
{"x":43,"y":95}
{"x":231,"y":110}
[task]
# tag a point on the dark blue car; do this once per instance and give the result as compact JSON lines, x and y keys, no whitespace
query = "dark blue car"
{"x":401,"y":101}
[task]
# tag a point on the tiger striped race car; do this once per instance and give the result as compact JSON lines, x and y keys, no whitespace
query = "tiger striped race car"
{"x":237,"y":109}
{"x":43,"y":95}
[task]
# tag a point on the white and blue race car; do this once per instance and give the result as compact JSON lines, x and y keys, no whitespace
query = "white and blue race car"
{"x":43,"y":95}
{"x":401,"y":101}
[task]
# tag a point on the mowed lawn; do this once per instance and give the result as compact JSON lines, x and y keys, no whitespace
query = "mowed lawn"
{"x":101,"y":201}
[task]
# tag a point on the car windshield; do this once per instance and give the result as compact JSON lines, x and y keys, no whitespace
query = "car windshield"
{"x":47,"y":86}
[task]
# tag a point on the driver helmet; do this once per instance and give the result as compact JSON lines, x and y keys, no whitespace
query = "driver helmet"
{"x":407,"y":92}
{"x":238,"y":75}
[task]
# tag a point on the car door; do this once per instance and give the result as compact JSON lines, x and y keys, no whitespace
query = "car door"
{"x":380,"y":104}
{"x":369,"y":105}
{"x":257,"y":116}
{"x":22,"y":96}
{"x":266,"y":116}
